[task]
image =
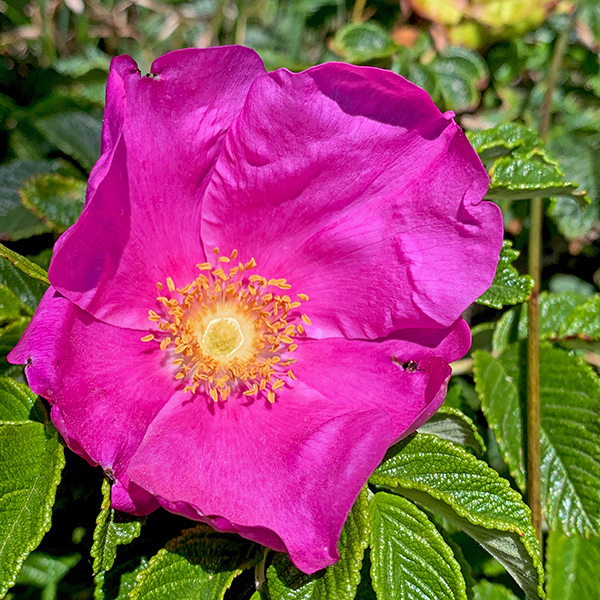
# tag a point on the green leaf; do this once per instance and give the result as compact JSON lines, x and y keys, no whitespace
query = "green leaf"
{"x":409,"y":558}
{"x":583,"y":322}
{"x":530,"y":176}
{"x":31,"y":460}
{"x":502,"y":140}
{"x":460,"y":73}
{"x":508,"y":286}
{"x":117,"y":583}
{"x":570,"y":429}
{"x":9,"y":337}
{"x":579,"y":159}
{"x":454,"y":484}
{"x":562,"y":282}
{"x":23,"y":264}
{"x":75,"y":133}
{"x":112,"y":529}
{"x":44,"y":571}
{"x":10,"y":306}
{"x":18,"y":402}
{"x":453,"y":425}
{"x":519,"y":165}
{"x":564,"y":316}
{"x":485,"y":590}
{"x":338,"y":582}
{"x":201,"y":563}
{"x":359,"y":43}
{"x":56,"y":200}
{"x":572,"y":567}
{"x":16,"y":222}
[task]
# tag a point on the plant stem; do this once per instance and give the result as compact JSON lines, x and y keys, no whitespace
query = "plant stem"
{"x":357,"y":10}
{"x":533,"y":341}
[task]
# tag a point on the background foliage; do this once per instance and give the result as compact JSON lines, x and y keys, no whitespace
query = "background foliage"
{"x":443,"y":516}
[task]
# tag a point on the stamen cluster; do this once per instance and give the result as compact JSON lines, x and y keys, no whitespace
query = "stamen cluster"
{"x":267,"y":320}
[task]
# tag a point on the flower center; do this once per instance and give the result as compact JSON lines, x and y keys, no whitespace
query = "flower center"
{"x":229,"y":329}
{"x":222,"y":337}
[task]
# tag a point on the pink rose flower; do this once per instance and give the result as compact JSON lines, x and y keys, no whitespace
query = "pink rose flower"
{"x":263,"y":292}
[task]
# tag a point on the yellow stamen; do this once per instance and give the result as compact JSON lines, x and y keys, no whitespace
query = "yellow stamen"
{"x":228,"y":329}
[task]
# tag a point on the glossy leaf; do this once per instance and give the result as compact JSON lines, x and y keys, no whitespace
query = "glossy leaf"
{"x":570,"y":429}
{"x":75,"y":133}
{"x":44,"y":571}
{"x":454,"y":426}
{"x":562,"y":316}
{"x":57,"y":201}
{"x":572,"y":563}
{"x":23,"y":264}
{"x":508,"y":286}
{"x":18,"y":402}
{"x":519,"y":165}
{"x":409,"y":558}
{"x":486,"y":590}
{"x":112,"y":530}
{"x":362,"y":42}
{"x":461,"y":74}
{"x":117,"y":583}
{"x":10,"y":306}
{"x":579,"y":160}
{"x":454,"y":484}
{"x":523,"y":177}
{"x":16,"y":222}
{"x":201,"y":563}
{"x":502,"y":140}
{"x":31,"y":460}
{"x":338,"y":582}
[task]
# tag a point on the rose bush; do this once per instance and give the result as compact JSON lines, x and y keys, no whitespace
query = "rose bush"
{"x":263,"y":292}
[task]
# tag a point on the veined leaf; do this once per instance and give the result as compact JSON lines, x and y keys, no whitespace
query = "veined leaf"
{"x":23,"y":264}
{"x":117,"y":583}
{"x":16,"y":222}
{"x":363,"y":42}
{"x":56,"y":200}
{"x":75,"y":133}
{"x":453,"y":483}
{"x":31,"y":460}
{"x":570,"y":429}
{"x":453,"y":425}
{"x":110,"y":533}
{"x":508,"y":286}
{"x":10,"y":305}
{"x":520,"y":166}
{"x":18,"y":402}
{"x":201,"y":563}
{"x":338,"y":582}
{"x":44,"y":571}
{"x":409,"y":558}
{"x":485,"y":590}
{"x":572,"y":567}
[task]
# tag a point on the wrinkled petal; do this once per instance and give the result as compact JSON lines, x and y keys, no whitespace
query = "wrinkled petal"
{"x":288,"y":473}
{"x":104,"y":384}
{"x":161,"y":136}
{"x":349,"y":183}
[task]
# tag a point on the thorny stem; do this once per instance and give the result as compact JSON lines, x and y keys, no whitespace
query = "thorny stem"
{"x":533,"y":341}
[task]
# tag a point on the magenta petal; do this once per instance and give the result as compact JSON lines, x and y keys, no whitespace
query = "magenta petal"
{"x":289,"y":473}
{"x":104,"y":384}
{"x":350,"y":183}
{"x":141,"y":223}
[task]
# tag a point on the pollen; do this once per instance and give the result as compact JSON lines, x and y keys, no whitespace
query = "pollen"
{"x":229,"y":330}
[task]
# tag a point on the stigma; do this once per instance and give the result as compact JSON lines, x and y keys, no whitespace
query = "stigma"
{"x":229,"y":329}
